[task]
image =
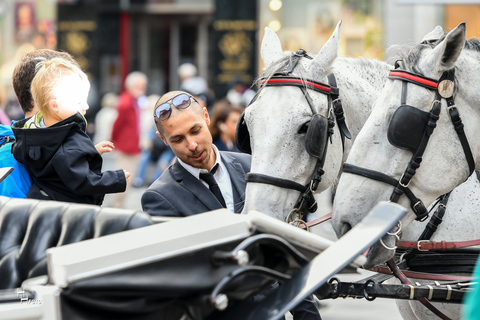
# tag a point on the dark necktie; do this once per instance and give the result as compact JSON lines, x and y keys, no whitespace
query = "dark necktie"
{"x":212,"y":183}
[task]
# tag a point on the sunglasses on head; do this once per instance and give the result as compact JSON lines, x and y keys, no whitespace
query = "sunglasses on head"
{"x":181,"y":101}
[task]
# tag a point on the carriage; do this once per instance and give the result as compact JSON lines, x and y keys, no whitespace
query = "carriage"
{"x":253,"y":266}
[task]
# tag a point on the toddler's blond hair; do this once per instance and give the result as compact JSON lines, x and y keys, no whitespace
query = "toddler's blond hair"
{"x":48,"y":75}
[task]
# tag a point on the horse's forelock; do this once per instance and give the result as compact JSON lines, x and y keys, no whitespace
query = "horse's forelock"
{"x":280,"y":66}
{"x":409,"y":55}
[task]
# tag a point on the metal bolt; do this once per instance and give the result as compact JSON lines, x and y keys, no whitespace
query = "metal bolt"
{"x":221,"y":302}
{"x":242,"y":258}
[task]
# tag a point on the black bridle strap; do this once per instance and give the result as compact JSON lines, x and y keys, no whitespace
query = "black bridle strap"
{"x":306,"y":202}
{"x":278,"y":182}
{"x":401,"y":186}
{"x":416,"y":159}
{"x":338,"y":109}
{"x":415,"y":203}
{"x":458,"y":125}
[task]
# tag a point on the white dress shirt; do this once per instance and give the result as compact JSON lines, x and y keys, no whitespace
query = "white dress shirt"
{"x":221,"y":175}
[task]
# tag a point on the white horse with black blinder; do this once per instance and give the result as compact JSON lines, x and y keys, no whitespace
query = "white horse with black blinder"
{"x":434,"y":156}
{"x":294,"y":129}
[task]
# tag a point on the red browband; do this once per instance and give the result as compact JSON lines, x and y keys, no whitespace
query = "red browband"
{"x":291,"y":81}
{"x":420,"y":80}
{"x":426,"y":245}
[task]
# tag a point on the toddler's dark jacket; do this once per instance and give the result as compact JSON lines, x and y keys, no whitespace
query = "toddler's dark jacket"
{"x":63,"y":162}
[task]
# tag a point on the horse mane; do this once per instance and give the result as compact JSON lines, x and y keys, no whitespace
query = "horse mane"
{"x":369,"y":66}
{"x":410,"y":54}
{"x":473,"y":44}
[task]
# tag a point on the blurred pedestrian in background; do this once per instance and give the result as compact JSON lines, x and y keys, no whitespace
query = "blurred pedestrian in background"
{"x":155,"y":154}
{"x":192,"y":83}
{"x":105,"y":118}
{"x":240,"y":94}
{"x":224,"y":124}
{"x":126,"y":128}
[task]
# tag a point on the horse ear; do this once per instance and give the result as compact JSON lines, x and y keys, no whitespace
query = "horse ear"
{"x":324,"y":59}
{"x":447,"y":52}
{"x":271,"y":49}
{"x":436,"y":34}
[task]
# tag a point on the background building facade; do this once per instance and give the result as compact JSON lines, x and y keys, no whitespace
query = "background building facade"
{"x":111,"y":38}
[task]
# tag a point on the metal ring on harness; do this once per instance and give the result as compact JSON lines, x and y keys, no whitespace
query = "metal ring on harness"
{"x":335,"y":292}
{"x":299,"y":223}
{"x":291,"y":219}
{"x":399,"y":224}
{"x":369,"y":284}
{"x":385,"y":246}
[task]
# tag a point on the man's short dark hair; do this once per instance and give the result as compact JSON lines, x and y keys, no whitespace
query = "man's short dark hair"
{"x":24,"y":73}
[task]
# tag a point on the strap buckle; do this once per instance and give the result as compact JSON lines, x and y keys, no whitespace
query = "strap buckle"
{"x":420,"y":242}
{"x":450,"y":108}
{"x":405,"y":185}
{"x":415,"y":206}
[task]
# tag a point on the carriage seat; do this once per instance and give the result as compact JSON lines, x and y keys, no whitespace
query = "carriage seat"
{"x":29,"y":227}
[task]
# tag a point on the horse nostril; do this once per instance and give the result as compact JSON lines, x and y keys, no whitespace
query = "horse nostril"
{"x":345,"y":228}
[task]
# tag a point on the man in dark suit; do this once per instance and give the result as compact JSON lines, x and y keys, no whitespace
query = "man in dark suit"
{"x":181,"y":190}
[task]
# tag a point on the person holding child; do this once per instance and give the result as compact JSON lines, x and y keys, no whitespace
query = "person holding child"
{"x":17,"y":183}
{"x":64,"y":163}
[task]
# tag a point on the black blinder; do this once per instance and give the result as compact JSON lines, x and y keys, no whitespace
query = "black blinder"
{"x":242,"y":136}
{"x":407,"y":127}
{"x":316,"y":136}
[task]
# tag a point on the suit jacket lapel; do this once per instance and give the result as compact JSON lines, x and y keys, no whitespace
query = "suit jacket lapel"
{"x":195,"y":186}
{"x":237,"y":177}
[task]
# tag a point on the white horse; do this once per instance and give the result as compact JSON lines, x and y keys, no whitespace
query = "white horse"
{"x":279,"y":118}
{"x":445,"y":163}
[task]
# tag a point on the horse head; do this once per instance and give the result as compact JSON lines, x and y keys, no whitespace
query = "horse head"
{"x":290,"y":127}
{"x":414,"y":147}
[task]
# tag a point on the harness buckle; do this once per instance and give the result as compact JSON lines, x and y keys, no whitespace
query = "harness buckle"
{"x":415,"y":206}
{"x":453,"y":107}
{"x":420,"y":242}
{"x":405,"y":185}
{"x":334,"y":101}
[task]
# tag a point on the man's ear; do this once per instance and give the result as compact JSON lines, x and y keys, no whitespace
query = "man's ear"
{"x":162,"y":137}
{"x":207,"y":117}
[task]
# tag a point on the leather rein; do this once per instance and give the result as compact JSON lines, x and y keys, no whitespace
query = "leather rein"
{"x":306,"y":201}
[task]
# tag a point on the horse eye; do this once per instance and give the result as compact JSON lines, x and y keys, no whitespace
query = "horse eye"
{"x":304,"y":128}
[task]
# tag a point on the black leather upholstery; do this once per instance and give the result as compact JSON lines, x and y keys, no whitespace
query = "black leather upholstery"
{"x":29,"y":227}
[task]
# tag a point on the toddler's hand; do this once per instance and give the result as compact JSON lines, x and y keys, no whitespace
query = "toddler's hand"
{"x":105,"y":146}
{"x":127,"y":174}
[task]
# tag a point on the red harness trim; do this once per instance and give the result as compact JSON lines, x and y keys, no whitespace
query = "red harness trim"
{"x":287,"y":81}
{"x":312,"y":223}
{"x":423,"y":275}
{"x":426,"y":245}
{"x":403,"y":278}
{"x":405,"y":75}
